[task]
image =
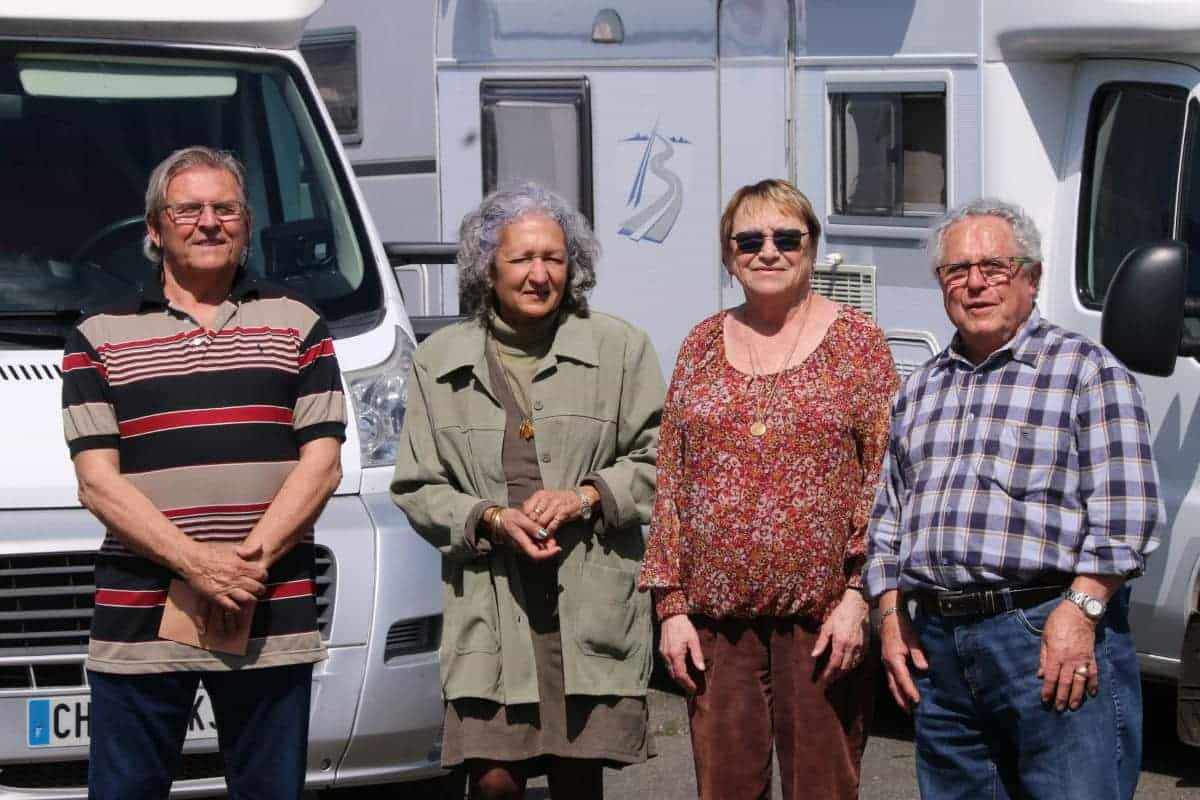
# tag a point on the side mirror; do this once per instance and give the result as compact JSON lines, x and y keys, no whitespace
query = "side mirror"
{"x":1142,"y":320}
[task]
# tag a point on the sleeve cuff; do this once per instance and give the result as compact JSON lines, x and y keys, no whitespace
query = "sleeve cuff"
{"x":471,"y":536}
{"x":106,"y":442}
{"x":335,"y":430}
{"x":670,"y":603}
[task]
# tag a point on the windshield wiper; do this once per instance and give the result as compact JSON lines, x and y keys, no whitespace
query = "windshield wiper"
{"x":39,"y":314}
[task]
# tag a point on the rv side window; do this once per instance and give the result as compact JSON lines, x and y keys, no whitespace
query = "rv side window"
{"x":332,"y":56}
{"x":889,"y":153}
{"x":538,"y":130}
{"x":1127,"y":191}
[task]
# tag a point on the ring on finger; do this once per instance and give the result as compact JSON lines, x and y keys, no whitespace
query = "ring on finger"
{"x":1082,"y":671}
{"x":542,"y":534}
{"x":538,"y":509}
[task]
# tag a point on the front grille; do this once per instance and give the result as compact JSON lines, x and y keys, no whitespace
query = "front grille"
{"x":413,"y":636}
{"x":325,"y":572}
{"x":46,"y":602}
{"x":67,"y":774}
{"x":46,"y":609}
{"x":30,"y":372}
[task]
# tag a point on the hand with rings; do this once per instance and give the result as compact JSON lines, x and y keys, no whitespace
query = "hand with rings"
{"x":512,"y":526}
{"x":551,"y":508}
{"x":1067,"y":661}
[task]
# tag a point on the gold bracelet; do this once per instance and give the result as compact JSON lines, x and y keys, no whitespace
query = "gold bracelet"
{"x":885,"y":614}
{"x":488,"y":518}
{"x":494,"y":523}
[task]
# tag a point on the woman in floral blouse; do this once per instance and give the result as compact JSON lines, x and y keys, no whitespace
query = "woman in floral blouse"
{"x":772,"y":435}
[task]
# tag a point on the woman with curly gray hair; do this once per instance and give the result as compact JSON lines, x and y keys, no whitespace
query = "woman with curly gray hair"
{"x":527,"y":458}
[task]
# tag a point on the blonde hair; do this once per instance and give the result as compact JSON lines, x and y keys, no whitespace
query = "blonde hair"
{"x":778,"y":194}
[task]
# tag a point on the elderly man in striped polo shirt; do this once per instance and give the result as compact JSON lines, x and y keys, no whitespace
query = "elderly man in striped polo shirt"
{"x":204,"y":414}
{"x":1019,"y":496}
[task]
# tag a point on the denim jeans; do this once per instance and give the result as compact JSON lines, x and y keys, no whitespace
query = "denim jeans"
{"x":982,"y":731}
{"x":138,"y":723}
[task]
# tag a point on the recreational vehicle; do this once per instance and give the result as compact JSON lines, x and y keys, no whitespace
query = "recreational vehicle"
{"x":648,"y":115}
{"x":92,"y":96}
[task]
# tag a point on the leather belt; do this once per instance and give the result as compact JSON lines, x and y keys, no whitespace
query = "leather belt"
{"x":987,"y":602}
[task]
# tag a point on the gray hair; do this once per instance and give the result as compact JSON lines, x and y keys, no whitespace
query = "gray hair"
{"x":479,"y":236}
{"x":196,"y":156}
{"x":1023,"y":227}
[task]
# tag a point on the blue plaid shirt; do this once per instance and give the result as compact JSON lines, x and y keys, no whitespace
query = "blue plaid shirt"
{"x":1037,"y":460}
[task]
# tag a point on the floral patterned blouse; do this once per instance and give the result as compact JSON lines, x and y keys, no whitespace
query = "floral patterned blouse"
{"x":774,"y":525}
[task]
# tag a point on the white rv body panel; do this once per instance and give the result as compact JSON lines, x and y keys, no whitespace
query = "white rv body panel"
{"x":271,"y":24}
{"x":751,"y":86}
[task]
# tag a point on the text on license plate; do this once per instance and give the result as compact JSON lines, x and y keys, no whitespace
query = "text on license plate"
{"x":63,"y":720}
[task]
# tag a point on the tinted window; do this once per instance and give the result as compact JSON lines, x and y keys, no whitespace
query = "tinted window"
{"x":80,"y":133}
{"x":538,"y":130}
{"x":1127,"y":194}
{"x":889,"y":153}
{"x":332,"y":56}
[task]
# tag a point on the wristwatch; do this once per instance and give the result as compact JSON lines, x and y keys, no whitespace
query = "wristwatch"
{"x":1092,"y":607}
{"x":585,"y":505}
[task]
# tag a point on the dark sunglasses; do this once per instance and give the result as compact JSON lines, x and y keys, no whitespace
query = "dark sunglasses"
{"x":786,"y":240}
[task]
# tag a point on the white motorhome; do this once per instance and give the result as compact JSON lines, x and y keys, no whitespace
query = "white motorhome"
{"x":92,"y":96}
{"x":885,"y":112}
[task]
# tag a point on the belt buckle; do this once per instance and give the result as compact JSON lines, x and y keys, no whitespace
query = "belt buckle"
{"x":946,"y":603}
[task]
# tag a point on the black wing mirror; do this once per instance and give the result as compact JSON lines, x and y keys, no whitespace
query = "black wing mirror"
{"x":1142,"y":320}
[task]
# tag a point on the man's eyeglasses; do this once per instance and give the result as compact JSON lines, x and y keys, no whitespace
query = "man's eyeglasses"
{"x":786,"y":240}
{"x":995,"y":270}
{"x":190,"y":213}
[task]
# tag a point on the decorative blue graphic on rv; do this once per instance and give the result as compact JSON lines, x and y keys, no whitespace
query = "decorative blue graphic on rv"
{"x":654,"y":221}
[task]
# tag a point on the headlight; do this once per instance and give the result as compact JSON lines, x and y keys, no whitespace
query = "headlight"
{"x":379,"y":395}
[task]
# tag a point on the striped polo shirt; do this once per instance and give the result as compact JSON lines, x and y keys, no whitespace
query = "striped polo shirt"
{"x":208,"y":424}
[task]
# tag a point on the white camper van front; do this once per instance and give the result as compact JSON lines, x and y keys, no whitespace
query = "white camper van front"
{"x":92,"y":96}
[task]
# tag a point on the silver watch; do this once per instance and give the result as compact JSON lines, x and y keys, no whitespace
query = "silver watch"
{"x":585,"y":505}
{"x":1092,"y":607}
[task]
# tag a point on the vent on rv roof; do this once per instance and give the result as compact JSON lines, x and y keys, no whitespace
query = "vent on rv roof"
{"x":30,"y":372}
{"x":847,"y":283}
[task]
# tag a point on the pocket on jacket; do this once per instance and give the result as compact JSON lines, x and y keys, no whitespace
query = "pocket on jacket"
{"x":475,"y":614}
{"x":611,"y":614}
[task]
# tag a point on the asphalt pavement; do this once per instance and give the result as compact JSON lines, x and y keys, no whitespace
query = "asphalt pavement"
{"x":1170,"y":769}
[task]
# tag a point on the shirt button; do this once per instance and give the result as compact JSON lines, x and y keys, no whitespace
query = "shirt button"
{"x":545,"y":458}
{"x":537,"y":405}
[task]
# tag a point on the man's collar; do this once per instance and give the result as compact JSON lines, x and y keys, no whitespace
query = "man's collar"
{"x":1023,"y":346}
{"x":150,"y":290}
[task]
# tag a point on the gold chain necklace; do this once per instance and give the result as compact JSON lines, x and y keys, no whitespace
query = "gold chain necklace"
{"x":758,"y":426}
{"x":526,"y":430}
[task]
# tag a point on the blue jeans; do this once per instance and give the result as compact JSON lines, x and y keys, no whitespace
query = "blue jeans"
{"x":138,"y":723}
{"x":982,"y":731}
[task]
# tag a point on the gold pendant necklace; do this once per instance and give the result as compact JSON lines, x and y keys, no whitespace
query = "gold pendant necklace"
{"x":526,"y":430}
{"x":758,"y":426}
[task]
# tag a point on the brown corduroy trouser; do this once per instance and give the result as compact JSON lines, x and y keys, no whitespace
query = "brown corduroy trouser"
{"x":760,"y":690}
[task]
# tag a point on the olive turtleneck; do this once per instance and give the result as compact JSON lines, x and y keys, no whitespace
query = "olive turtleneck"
{"x":520,"y":349}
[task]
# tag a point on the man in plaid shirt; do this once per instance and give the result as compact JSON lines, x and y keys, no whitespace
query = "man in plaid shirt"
{"x":1018,"y":497}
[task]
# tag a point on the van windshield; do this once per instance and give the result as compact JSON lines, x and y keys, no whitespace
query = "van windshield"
{"x":80,"y":133}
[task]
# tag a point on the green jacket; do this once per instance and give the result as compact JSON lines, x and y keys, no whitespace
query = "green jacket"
{"x":597,"y":398}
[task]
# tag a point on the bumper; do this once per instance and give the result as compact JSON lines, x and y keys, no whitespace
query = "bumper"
{"x":372,"y":720}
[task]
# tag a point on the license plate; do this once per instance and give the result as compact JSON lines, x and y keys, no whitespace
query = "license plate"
{"x":63,"y":720}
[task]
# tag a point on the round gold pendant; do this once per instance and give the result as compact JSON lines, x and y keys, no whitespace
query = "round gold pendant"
{"x":758,"y":428}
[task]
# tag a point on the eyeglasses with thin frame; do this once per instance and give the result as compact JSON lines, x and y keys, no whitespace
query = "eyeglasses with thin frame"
{"x":189,"y":213}
{"x":995,"y":270}
{"x":786,"y":240}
